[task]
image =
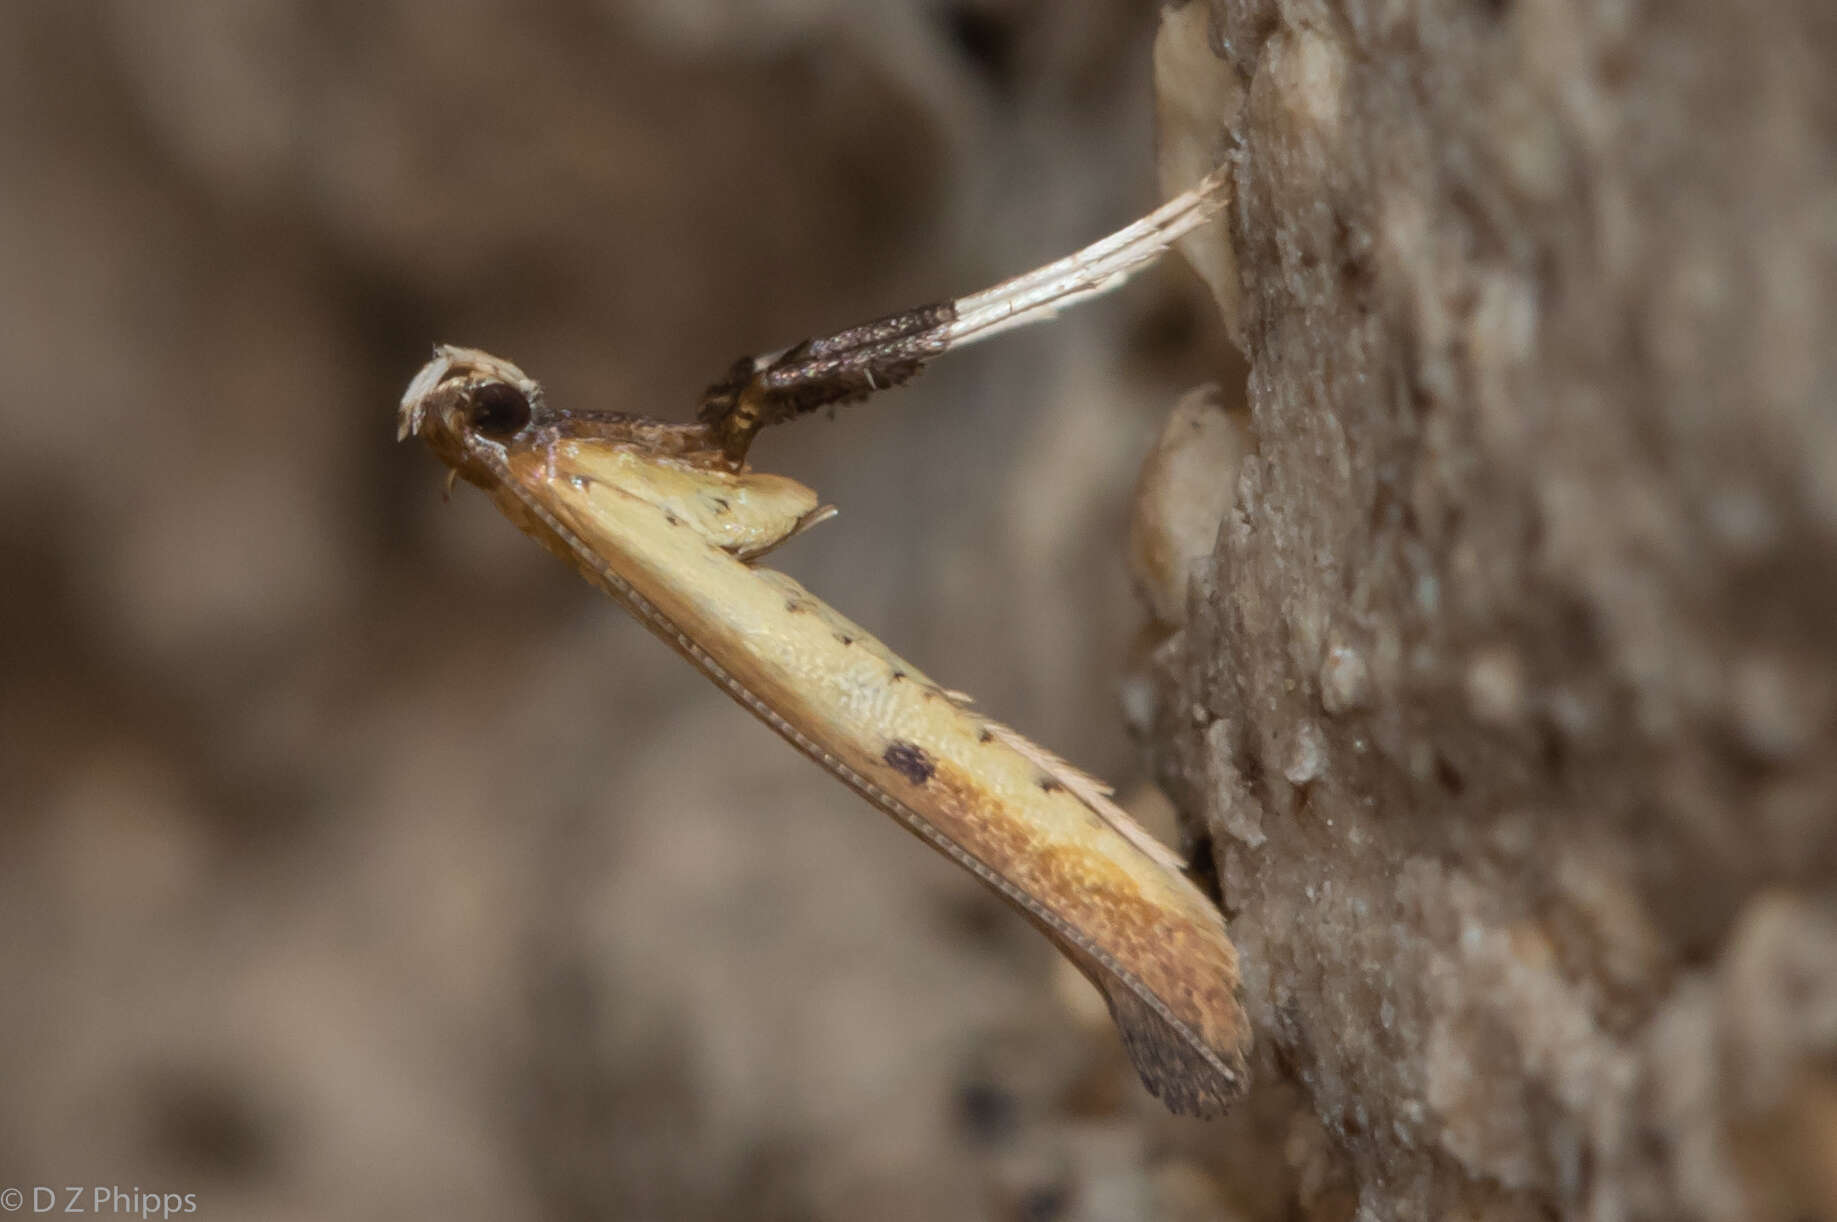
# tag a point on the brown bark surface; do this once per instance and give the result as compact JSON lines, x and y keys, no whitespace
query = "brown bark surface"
{"x":1507,"y":693}
{"x":357,"y":861}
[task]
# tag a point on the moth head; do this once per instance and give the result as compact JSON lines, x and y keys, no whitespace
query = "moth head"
{"x":486,"y":419}
{"x":470,"y":407}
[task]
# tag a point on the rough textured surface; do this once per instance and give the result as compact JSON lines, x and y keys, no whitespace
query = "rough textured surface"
{"x":1508,"y":692}
{"x":356,"y":861}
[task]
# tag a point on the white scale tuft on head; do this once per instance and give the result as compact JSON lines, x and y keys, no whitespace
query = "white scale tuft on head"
{"x":450,"y":361}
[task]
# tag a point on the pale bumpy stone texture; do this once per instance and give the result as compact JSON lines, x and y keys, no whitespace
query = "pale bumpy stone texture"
{"x":1507,"y":694}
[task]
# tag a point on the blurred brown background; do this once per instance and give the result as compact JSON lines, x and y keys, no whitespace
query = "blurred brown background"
{"x":357,"y":860}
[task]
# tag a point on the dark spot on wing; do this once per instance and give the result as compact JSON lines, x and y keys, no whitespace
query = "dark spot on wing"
{"x":794,"y":605}
{"x":845,"y":639}
{"x":1050,"y":784}
{"x":721,"y":504}
{"x":987,"y":735}
{"x":671,"y":518}
{"x":910,"y":761}
{"x":898,"y":675}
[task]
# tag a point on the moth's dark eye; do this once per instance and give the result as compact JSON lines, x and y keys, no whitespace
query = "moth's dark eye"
{"x":499,"y":410}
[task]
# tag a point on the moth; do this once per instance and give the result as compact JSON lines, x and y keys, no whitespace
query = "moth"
{"x":671,"y":521}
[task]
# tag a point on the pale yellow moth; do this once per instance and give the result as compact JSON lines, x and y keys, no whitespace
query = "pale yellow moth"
{"x":668,"y":520}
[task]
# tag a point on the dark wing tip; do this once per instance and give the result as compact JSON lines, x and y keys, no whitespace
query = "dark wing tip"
{"x":1183,"y":1072}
